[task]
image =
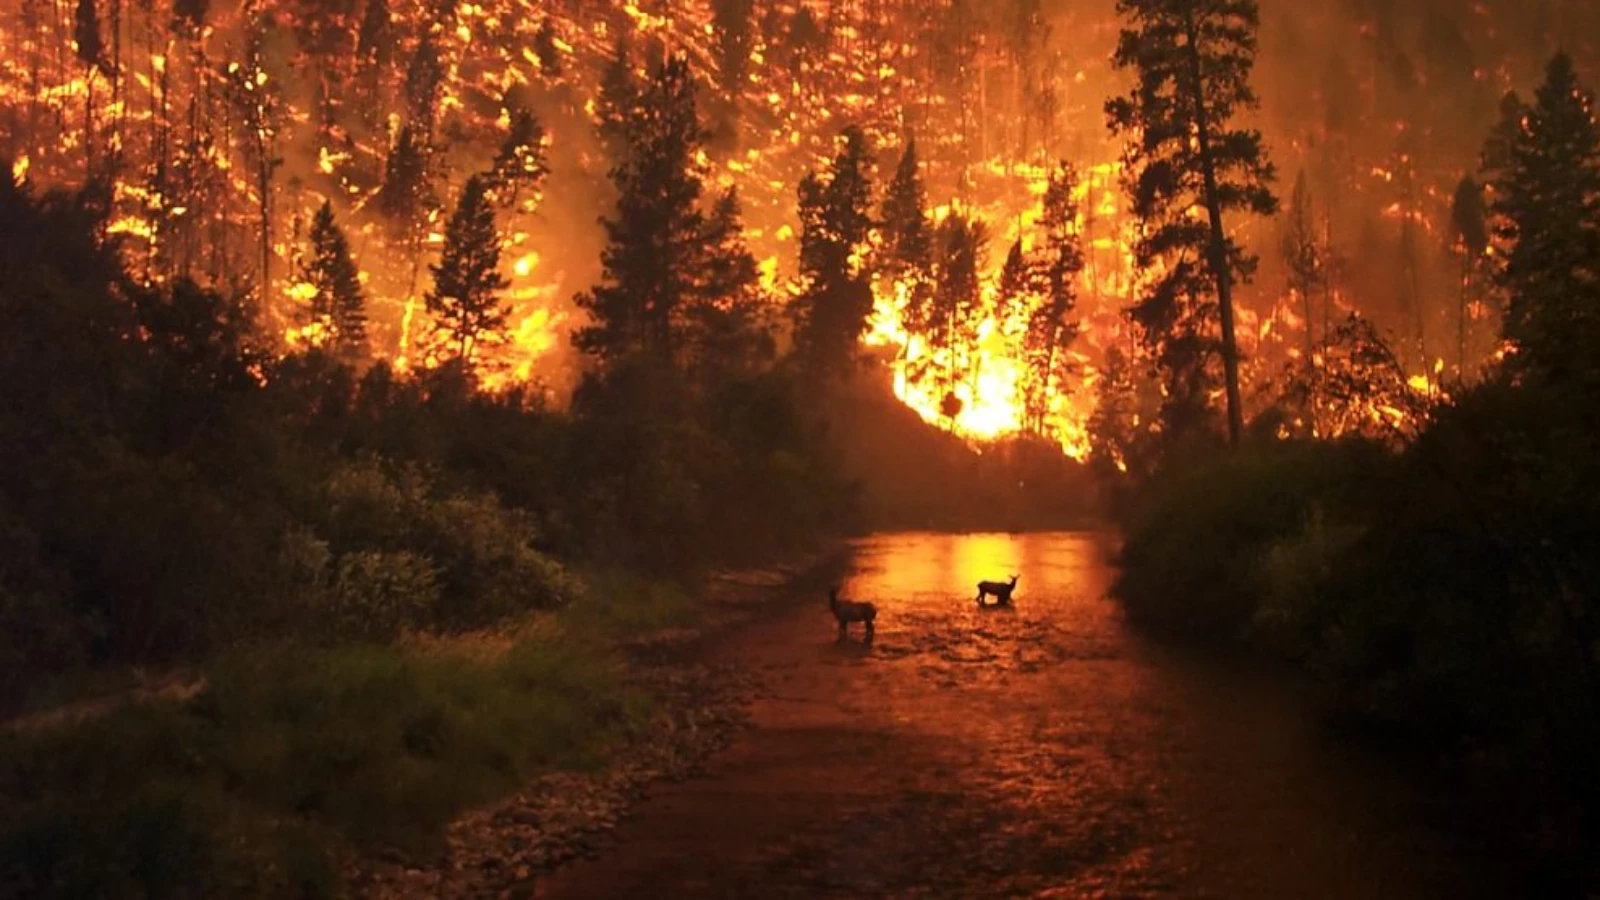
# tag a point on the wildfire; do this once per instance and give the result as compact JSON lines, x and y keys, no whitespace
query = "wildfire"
{"x":221,"y":143}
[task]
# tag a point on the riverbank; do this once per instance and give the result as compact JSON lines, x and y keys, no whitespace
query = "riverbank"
{"x":425,"y":766}
{"x":698,"y":707}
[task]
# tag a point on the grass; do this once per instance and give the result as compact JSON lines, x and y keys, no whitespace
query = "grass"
{"x":289,"y":751}
{"x":619,"y":604}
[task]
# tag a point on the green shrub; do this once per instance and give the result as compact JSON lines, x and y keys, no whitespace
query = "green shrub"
{"x":485,"y":566}
{"x":378,"y":594}
{"x":1291,"y":586}
{"x":221,"y":795}
{"x":38,"y":631}
{"x":1199,"y":536}
{"x":621,"y":604}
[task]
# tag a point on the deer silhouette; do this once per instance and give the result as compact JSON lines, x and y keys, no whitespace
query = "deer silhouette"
{"x":1000,"y":590}
{"x":847,"y":611}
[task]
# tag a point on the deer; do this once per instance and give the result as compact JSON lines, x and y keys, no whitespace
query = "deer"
{"x":1000,"y":590}
{"x":847,"y":611}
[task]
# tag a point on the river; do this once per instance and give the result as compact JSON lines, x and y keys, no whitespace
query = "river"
{"x":1041,"y":750}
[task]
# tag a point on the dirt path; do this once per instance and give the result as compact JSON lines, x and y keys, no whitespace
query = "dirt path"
{"x":1036,"y":751}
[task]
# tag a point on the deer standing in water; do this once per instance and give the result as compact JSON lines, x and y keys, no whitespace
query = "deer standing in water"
{"x":1000,"y":590}
{"x":847,"y":611}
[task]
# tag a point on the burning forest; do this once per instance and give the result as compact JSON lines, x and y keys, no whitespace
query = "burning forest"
{"x":231,"y":142}
{"x":401,"y":401}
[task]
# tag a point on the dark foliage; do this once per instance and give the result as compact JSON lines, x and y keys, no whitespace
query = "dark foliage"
{"x":835,"y":217}
{"x":1193,"y":63}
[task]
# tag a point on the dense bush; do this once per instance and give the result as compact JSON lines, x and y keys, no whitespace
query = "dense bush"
{"x":1450,"y":591}
{"x":284,"y":758}
{"x":1206,"y":543}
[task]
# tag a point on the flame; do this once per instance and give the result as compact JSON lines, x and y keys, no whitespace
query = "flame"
{"x":877,"y":77}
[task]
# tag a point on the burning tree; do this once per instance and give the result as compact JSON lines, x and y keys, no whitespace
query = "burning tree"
{"x":1361,"y":388}
{"x":336,"y":313}
{"x":957,"y":306}
{"x":907,"y":259}
{"x":1305,"y":258}
{"x":521,"y":163}
{"x":1193,"y":62}
{"x":1117,"y":426}
{"x":1547,"y":222}
{"x":1051,"y":327}
{"x":1469,"y":238}
{"x":465,"y":299}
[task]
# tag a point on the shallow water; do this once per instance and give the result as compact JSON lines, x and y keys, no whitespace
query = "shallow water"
{"x":1038,"y":750}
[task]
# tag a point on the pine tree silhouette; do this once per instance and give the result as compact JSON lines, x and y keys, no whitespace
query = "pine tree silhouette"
{"x":835,"y":219}
{"x":338,"y":303}
{"x":1547,"y":222}
{"x":465,"y":299}
{"x":1183,"y":151}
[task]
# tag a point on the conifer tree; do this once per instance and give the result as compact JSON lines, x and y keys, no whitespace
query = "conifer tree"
{"x":656,"y":237}
{"x":424,"y":77}
{"x":521,"y":163}
{"x":1469,"y":231}
{"x":1114,"y":425}
{"x":373,"y":35}
{"x":732,"y":20}
{"x":86,"y":35}
{"x":908,"y":239}
{"x":730,"y":334}
{"x":618,"y":101}
{"x":1303,"y":257}
{"x":957,"y":302}
{"x":546,"y":51}
{"x":1183,"y":151}
{"x":1547,"y":219}
{"x":405,"y":194}
{"x":1051,"y":326}
{"x":465,"y":299}
{"x":1017,"y":298}
{"x":336,"y":301}
{"x":91,"y":52}
{"x":1018,"y":284}
{"x":1497,"y":147}
{"x":836,"y":299}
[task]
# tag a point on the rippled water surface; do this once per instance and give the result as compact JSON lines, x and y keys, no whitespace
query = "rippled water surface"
{"x":1037,"y":750}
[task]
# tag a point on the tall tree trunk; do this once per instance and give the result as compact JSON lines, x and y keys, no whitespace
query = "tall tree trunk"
{"x":1461,"y":315}
{"x":1219,"y":239}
